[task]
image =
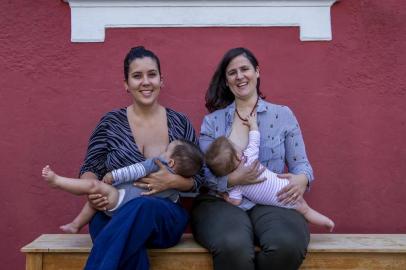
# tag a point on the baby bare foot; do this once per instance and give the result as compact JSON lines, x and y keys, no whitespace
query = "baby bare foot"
{"x":330,"y":225}
{"x":313,"y":216}
{"x":70,"y":228}
{"x":49,"y":175}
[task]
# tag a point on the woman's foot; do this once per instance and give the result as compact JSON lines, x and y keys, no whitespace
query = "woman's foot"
{"x":49,"y":175}
{"x":70,"y":228}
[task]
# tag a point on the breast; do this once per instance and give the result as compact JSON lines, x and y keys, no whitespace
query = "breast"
{"x":239,"y":135}
{"x":153,"y":149}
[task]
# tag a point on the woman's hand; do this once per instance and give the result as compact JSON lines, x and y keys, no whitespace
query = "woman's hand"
{"x":163,"y":180}
{"x":245,"y":175}
{"x":98,"y":202}
{"x":294,"y":190}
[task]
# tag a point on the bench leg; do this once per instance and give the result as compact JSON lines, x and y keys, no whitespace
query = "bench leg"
{"x":33,"y":261}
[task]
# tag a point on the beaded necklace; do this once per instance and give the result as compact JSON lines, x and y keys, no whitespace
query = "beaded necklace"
{"x":239,"y":116}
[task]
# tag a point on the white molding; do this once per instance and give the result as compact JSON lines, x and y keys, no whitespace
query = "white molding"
{"x":90,"y":18}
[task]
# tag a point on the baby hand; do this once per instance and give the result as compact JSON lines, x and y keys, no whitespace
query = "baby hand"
{"x":108,"y":178}
{"x":251,"y":121}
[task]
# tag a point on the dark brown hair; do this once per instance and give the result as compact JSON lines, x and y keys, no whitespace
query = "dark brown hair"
{"x":138,"y":53}
{"x":188,"y":158}
{"x":220,"y":157}
{"x":218,"y":95}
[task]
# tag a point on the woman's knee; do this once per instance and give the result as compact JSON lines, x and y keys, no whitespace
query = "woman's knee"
{"x":233,"y":244}
{"x":285,"y":246}
{"x":231,"y":251}
{"x":280,"y":228}
{"x":282,"y":252}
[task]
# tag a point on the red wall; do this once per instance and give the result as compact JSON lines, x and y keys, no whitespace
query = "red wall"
{"x":348,"y":94}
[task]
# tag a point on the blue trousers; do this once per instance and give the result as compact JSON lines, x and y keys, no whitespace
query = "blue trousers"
{"x":121,"y":242}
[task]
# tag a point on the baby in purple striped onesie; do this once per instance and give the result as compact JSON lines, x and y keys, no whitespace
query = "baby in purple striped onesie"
{"x":222,"y":157}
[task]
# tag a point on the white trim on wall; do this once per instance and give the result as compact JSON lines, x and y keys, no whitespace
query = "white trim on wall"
{"x":90,"y":18}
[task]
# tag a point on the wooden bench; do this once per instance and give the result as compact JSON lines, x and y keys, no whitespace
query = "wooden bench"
{"x":326,"y":251}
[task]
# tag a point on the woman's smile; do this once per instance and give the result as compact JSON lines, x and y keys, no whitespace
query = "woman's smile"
{"x":240,"y":85}
{"x":146,"y":93}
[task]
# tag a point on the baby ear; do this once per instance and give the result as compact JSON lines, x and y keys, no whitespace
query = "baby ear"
{"x":171,"y":163}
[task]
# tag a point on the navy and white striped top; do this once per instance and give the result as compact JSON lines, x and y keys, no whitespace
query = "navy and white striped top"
{"x":112,"y":144}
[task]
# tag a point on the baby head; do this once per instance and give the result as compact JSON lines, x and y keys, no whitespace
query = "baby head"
{"x":221,"y":157}
{"x":184,"y":157}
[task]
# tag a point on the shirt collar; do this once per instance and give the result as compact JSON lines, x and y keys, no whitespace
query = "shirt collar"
{"x":262,"y":106}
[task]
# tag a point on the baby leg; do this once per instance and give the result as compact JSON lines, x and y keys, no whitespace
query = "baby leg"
{"x":312,"y":216}
{"x":81,"y":186}
{"x":80,"y":220}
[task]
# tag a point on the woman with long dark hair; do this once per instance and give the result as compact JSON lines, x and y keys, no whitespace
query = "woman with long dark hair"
{"x":229,"y":232}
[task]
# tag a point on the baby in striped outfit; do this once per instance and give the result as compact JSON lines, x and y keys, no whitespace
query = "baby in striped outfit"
{"x":222,"y":153}
{"x":181,"y":157}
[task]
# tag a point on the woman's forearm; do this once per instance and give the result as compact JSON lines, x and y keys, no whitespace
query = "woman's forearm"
{"x":181,"y":183}
{"x":245,"y":175}
{"x":303,"y":180}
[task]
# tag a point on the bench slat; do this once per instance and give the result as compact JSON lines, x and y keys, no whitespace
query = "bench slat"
{"x":380,"y":243}
{"x":326,"y":251}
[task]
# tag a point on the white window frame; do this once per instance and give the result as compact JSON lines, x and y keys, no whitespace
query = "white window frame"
{"x":90,"y":18}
